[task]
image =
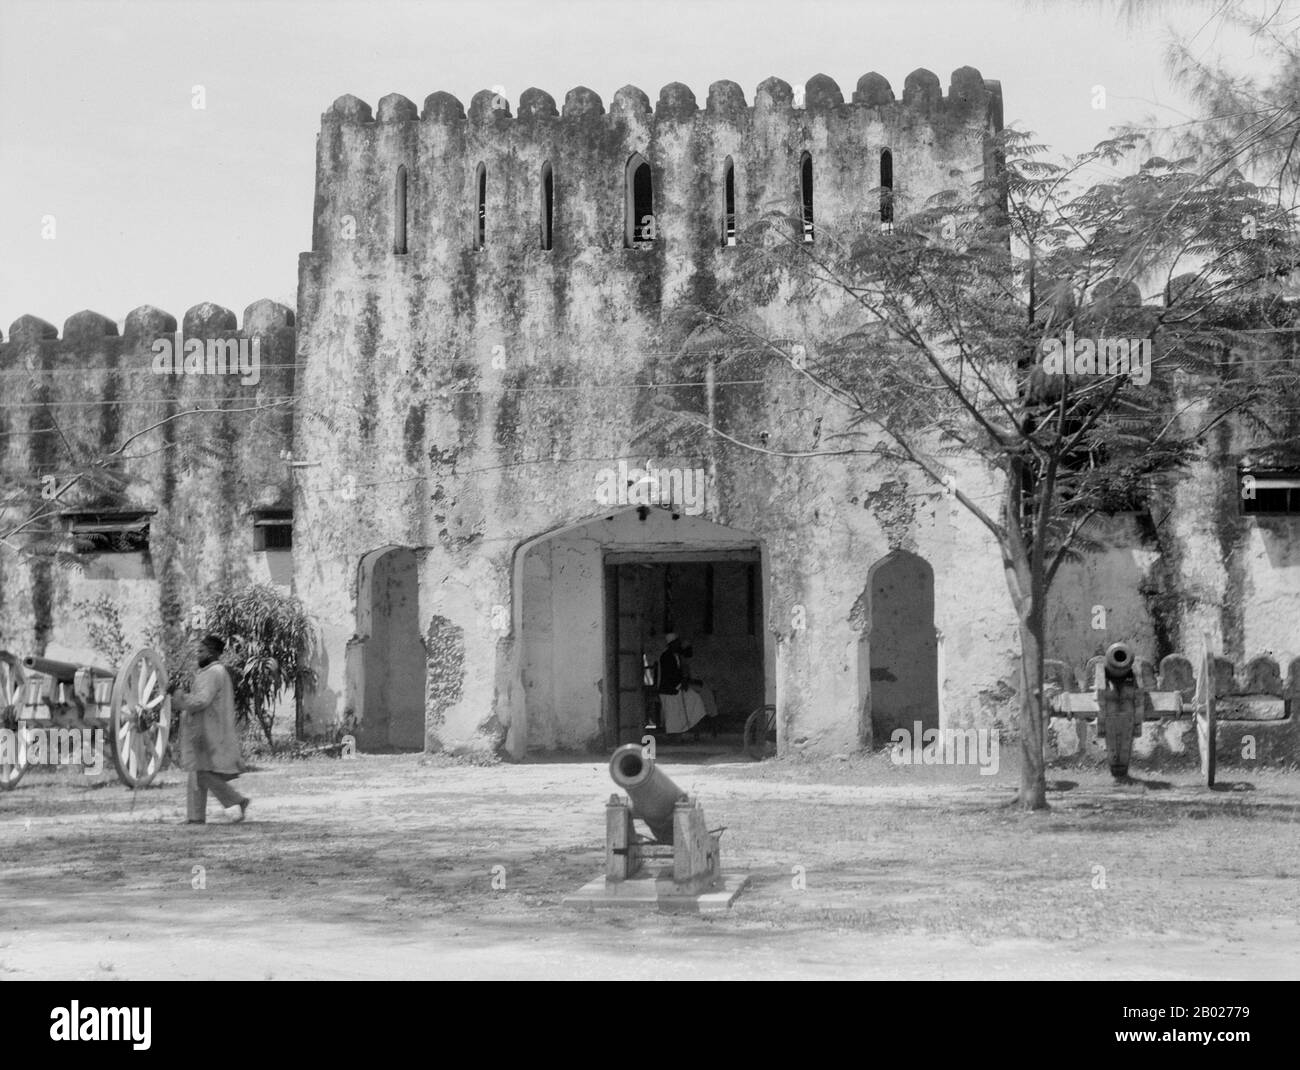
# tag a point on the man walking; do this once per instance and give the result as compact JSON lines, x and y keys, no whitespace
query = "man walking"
{"x":209,"y":737}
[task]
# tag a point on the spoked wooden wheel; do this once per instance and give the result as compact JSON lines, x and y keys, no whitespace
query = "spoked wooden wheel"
{"x":140,"y":718}
{"x":760,"y":733}
{"x":13,"y":741}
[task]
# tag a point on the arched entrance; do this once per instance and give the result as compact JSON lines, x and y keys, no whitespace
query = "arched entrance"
{"x":390,"y":691}
{"x":594,"y":603}
{"x":904,"y":649}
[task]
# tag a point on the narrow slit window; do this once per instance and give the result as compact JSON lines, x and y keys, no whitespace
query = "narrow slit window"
{"x":806,"y":194}
{"x":399,"y":211}
{"x":548,"y":204}
{"x":729,"y":204}
{"x":640,"y":225}
{"x":480,"y":207}
{"x":886,"y":190}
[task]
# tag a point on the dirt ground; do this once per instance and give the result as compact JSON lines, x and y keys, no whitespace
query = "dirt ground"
{"x":384,"y":867}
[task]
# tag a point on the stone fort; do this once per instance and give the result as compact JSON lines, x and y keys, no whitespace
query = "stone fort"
{"x":496,"y":449}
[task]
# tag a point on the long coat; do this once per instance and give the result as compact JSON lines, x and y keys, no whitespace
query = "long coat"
{"x":670,"y":672}
{"x":209,"y":736}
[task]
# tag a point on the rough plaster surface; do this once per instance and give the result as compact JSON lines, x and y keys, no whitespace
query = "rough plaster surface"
{"x":462,"y":403}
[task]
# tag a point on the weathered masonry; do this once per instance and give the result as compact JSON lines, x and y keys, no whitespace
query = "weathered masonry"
{"x":176,"y":497}
{"x":495,"y":452}
{"x":498,"y":319}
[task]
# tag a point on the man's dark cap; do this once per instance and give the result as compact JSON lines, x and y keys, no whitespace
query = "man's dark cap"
{"x":216,"y":642}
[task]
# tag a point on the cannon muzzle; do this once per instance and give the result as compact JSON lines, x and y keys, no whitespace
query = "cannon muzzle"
{"x":1119,"y":661}
{"x":653,"y":795}
{"x":63,"y":671}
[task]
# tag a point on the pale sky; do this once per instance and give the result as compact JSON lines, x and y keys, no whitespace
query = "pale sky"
{"x":155,"y":202}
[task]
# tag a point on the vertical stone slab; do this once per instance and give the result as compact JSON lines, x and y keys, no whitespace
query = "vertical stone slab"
{"x":1224,"y":673}
{"x":1178,"y":674}
{"x":1144,"y":673}
{"x":1262,"y":677}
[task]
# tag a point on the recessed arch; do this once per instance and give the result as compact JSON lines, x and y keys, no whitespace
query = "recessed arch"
{"x":901,"y":659}
{"x":639,"y":223}
{"x":590,"y":609}
{"x":387,"y":661}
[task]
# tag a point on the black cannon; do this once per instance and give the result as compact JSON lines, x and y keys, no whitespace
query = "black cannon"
{"x":654,"y":797}
{"x":1118,"y":716}
{"x":694,"y":880}
{"x":65,"y":672}
{"x":1121,"y":704}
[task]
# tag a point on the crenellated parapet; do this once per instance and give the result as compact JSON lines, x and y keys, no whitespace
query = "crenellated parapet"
{"x":143,"y":325}
{"x":90,"y":386}
{"x":968,"y":92}
{"x":166,"y":436}
{"x":407,"y":181}
{"x":146,"y":323}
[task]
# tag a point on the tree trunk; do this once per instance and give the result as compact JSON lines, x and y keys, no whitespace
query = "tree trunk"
{"x":266,"y":728}
{"x":1033,"y":779}
{"x":1022,"y":565}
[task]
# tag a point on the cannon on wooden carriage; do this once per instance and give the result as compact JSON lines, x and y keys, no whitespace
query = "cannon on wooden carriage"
{"x":1121,"y":706}
{"x":130,"y":704}
{"x":679,"y":868}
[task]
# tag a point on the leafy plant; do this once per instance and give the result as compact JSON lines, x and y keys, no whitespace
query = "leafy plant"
{"x":102,"y":621}
{"x":109,"y":637}
{"x":270,"y":641}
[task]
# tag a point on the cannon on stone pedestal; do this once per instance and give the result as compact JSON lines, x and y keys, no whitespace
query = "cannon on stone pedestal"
{"x":131,"y":704}
{"x":694,"y":879}
{"x":1121,"y":706}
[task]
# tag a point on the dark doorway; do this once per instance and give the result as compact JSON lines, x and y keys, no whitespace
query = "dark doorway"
{"x":715,"y":602}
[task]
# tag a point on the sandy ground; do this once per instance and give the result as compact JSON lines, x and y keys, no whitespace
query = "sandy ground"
{"x":384,"y":867}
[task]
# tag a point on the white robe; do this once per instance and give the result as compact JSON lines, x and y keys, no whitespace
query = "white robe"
{"x":683,"y":711}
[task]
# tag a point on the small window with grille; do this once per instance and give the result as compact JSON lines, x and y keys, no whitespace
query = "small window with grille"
{"x":111,"y":531}
{"x":273,"y":529}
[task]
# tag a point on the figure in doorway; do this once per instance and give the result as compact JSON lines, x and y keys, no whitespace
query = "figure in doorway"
{"x":683,"y":701}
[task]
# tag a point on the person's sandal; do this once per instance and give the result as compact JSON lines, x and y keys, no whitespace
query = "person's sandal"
{"x":243,"y":811}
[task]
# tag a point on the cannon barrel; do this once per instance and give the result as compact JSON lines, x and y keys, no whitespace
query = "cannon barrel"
{"x":1119,"y":661}
{"x":63,"y":671}
{"x":653,"y":794}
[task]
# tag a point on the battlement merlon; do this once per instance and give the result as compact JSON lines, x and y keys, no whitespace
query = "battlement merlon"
{"x":92,"y":340}
{"x":441,"y":146}
{"x":969,"y":93}
{"x":147,"y":323}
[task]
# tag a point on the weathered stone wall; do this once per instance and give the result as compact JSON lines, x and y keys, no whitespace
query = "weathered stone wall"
{"x":81,"y":397}
{"x":467,"y":403}
{"x":1193,"y":564}
{"x":464,"y":400}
